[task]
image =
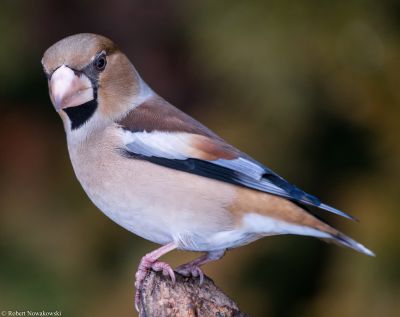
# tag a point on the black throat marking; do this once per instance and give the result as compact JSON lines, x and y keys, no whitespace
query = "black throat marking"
{"x":81,"y":114}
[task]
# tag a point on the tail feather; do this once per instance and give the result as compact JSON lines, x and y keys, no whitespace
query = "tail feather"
{"x":343,"y":240}
{"x":336,"y":211}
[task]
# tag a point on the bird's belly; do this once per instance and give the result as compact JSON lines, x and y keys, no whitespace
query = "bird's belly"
{"x":132,"y":214}
{"x":156,"y":203}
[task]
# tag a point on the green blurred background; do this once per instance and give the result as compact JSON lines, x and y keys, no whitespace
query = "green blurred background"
{"x":310,"y":88}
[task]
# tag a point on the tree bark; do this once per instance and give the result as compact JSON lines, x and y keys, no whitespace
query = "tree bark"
{"x":159,"y":297}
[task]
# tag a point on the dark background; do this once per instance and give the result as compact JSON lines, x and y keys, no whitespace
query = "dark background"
{"x":310,"y":88}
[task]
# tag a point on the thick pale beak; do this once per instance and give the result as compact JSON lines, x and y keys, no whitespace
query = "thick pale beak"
{"x":69,"y":90}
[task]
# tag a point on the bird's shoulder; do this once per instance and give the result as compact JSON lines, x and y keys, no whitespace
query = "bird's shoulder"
{"x":157,"y":114}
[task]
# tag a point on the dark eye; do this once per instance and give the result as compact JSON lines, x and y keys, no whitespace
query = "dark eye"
{"x":100,"y":62}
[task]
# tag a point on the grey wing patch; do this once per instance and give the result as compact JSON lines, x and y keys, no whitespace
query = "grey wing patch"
{"x":244,"y":166}
{"x":251,"y":175}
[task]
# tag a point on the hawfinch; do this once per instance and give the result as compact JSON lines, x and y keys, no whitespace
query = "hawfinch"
{"x":161,"y":174}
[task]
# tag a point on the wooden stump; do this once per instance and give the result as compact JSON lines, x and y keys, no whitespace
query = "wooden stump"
{"x":160,"y":298}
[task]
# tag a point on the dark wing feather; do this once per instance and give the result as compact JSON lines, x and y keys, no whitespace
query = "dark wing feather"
{"x":201,"y":152}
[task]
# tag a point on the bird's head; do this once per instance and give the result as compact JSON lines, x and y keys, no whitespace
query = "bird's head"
{"x":90,"y":80}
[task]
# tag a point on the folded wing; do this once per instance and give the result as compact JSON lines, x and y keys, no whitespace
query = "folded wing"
{"x":209,"y":156}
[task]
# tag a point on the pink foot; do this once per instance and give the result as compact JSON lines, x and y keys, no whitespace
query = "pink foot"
{"x":150,"y":262}
{"x":191,"y":270}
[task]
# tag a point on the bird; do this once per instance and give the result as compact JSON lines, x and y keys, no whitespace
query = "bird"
{"x":161,"y":174}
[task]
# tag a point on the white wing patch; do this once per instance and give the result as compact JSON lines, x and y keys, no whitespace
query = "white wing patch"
{"x":239,"y":170}
{"x":160,"y":144}
{"x":177,"y":146}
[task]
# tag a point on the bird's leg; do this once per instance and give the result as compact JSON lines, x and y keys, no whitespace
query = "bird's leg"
{"x":149,"y":261}
{"x":193,"y":268}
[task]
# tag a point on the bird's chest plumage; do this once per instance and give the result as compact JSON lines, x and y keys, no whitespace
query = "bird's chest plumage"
{"x":154,"y":202}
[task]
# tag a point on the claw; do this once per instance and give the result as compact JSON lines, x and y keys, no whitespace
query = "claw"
{"x":149,"y":261}
{"x":191,"y":270}
{"x":165,"y":268}
{"x":137,"y":301}
{"x":201,"y":276}
{"x":144,"y":266}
